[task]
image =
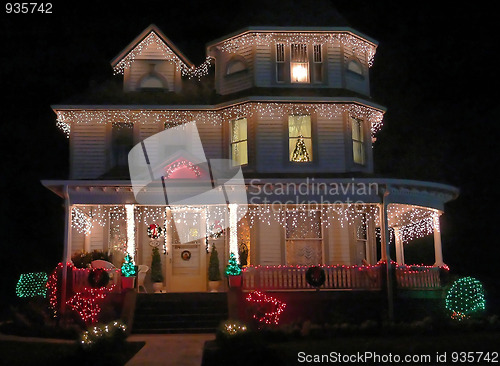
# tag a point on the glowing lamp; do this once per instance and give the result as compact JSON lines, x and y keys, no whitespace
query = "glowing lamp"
{"x":300,"y":73}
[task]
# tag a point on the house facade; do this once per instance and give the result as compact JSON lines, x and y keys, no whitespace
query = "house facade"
{"x":287,"y":108}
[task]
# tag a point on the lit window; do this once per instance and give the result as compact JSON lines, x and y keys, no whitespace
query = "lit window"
{"x":299,"y":64}
{"x":280,"y":62}
{"x":299,"y":138}
{"x":358,"y":147}
{"x":239,"y":143}
{"x":317,"y":63}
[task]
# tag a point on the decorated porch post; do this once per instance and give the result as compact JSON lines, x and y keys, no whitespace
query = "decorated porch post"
{"x":400,"y":252}
{"x":384,"y":231}
{"x":438,"y":251}
{"x":67,"y":248}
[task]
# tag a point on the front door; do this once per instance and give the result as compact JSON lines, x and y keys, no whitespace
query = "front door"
{"x":186,"y":265}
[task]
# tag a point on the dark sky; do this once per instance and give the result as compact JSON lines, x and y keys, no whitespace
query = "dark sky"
{"x":435,"y":71}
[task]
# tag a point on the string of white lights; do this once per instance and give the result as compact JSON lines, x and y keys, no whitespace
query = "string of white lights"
{"x":171,"y":118}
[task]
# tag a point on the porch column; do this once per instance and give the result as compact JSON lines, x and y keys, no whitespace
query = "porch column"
{"x":233,"y":230}
{"x":400,"y":254}
{"x":130,"y":217}
{"x":438,"y":251}
{"x":67,"y":248}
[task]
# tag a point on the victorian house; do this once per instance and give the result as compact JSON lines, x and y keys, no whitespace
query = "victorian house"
{"x":287,"y":112}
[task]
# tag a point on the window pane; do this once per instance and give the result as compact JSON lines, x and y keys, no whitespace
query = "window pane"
{"x":122,"y":140}
{"x":239,"y":153}
{"x":299,"y":65}
{"x":300,"y":150}
{"x":356,"y":129}
{"x":299,"y":126}
{"x":303,"y":225}
{"x":239,"y":130}
{"x":358,"y":152}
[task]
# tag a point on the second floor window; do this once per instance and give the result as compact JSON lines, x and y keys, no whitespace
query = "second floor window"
{"x":300,"y":138}
{"x":299,"y":63}
{"x":239,"y":141}
{"x":122,"y":140}
{"x":358,"y":147}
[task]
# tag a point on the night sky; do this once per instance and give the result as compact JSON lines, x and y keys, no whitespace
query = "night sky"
{"x":435,"y":71}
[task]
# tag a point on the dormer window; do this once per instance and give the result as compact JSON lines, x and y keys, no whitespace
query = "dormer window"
{"x":299,"y":63}
{"x":355,"y":67}
{"x":235,"y":65}
{"x":152,"y":80}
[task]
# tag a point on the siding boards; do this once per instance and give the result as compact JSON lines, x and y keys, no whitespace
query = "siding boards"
{"x":263,"y":65}
{"x":334,"y":65}
{"x":88,"y":150}
{"x":330,"y":140}
{"x":211,"y":138}
{"x":270,"y":143}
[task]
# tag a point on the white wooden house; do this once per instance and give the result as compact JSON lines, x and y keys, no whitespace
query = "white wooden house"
{"x":292,"y":107}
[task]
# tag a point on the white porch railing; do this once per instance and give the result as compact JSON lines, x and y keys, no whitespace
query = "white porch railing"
{"x":294,"y":278}
{"x":81,"y":275}
{"x":418,"y":277}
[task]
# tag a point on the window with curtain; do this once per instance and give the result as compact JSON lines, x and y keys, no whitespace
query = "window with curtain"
{"x":303,"y":238}
{"x":358,"y":147}
{"x":239,"y":141}
{"x":300,"y":138}
{"x":299,"y":63}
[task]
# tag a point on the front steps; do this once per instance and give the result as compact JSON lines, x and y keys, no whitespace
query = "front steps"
{"x":198,"y":312}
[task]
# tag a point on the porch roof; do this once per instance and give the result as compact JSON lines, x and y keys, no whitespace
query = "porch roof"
{"x":267,"y":191}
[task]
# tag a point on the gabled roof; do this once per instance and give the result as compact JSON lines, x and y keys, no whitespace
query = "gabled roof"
{"x":127,"y":51}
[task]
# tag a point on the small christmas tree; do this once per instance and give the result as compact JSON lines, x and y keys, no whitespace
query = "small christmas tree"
{"x":300,"y":153}
{"x":156,"y":274}
{"x":213,"y":266}
{"x":128,"y":267}
{"x":233,"y":268}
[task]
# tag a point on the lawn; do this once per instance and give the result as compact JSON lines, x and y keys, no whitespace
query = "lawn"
{"x":59,"y":353}
{"x":443,"y":349}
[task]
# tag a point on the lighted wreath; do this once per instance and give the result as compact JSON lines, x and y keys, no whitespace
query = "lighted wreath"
{"x":154,"y":231}
{"x":98,"y":277}
{"x":315,"y":276}
{"x":215,"y":230}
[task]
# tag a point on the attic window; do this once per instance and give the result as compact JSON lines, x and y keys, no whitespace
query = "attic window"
{"x":152,"y":80}
{"x":234,"y":66}
{"x":355,"y":67}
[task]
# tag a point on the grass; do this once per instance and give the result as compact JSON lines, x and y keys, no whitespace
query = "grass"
{"x":61,"y":353}
{"x":286,"y":352}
